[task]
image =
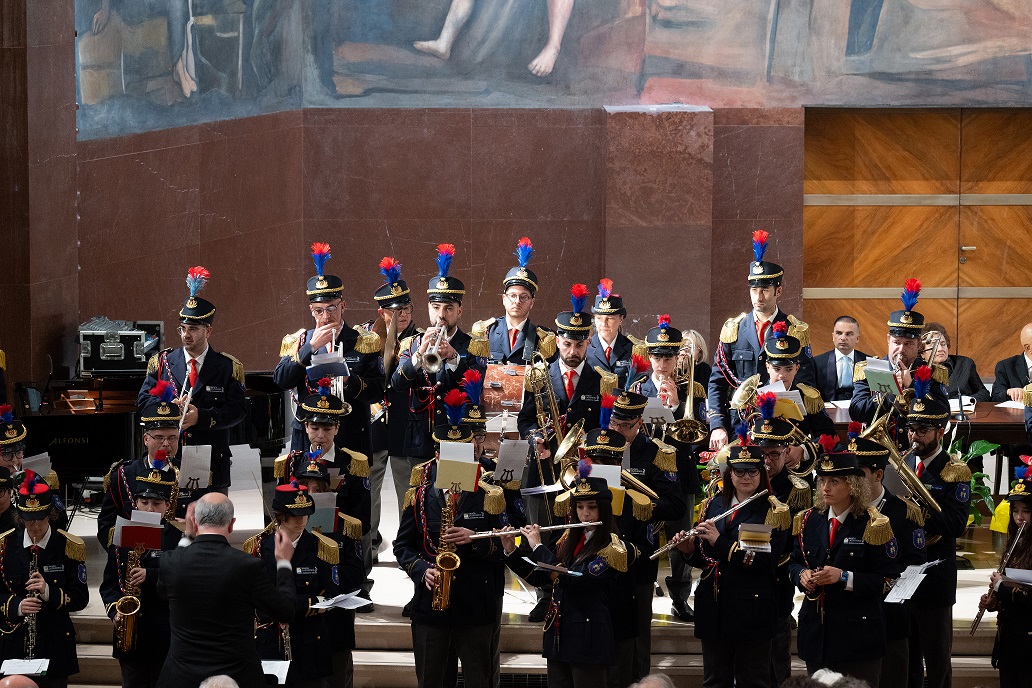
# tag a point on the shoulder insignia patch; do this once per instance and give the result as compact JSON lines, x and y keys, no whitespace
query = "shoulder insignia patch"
{"x":729,"y":331}
{"x":290,"y":344}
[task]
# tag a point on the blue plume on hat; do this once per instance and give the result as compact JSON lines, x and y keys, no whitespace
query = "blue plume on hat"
{"x":6,"y":416}
{"x":445,"y":253}
{"x":313,"y":455}
{"x":605,"y":411}
{"x":605,"y":287}
{"x":742,"y":430}
{"x":390,"y":269}
{"x":320,"y":254}
{"x":524,"y":251}
{"x":324,"y":386}
{"x":911,"y":290}
{"x":473,"y":385}
{"x":454,"y":404}
{"x":583,"y":468}
{"x":196,"y":277}
{"x":759,"y":244}
{"x":578,"y":297}
{"x":922,"y":381}
{"x":163,"y":391}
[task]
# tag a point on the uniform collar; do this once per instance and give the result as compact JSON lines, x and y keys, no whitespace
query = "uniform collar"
{"x":199,"y":359}
{"x":42,"y":544}
{"x":563,"y":368}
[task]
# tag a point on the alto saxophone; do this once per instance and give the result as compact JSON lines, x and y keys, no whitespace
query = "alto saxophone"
{"x":30,"y":619}
{"x":128,"y":606}
{"x":447,"y":559}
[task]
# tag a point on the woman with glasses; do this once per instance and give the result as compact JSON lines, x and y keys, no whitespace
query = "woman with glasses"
{"x":735,"y":602}
{"x":964,"y":378}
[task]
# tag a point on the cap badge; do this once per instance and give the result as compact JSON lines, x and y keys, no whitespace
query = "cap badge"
{"x":396,"y":289}
{"x":454,"y":433}
{"x":744,"y":454}
{"x":663,"y":337}
{"x":300,"y":499}
{"x":191,"y":302}
{"x":1019,"y":488}
{"x":442,"y":283}
{"x":919,"y":405}
{"x":624,"y":399}
{"x":323,"y":403}
{"x":11,"y":432}
{"x":521,"y":273}
{"x":31,"y":502}
{"x":321,"y":282}
{"x":781,"y":344}
{"x":575,"y":319}
{"x":583,"y":486}
{"x":474,"y":412}
{"x":603,"y":438}
{"x":757,"y":268}
{"x":827,"y":465}
{"x":906,"y":318}
{"x":163,"y":409}
{"x":155,"y":475}
{"x":313,"y":467}
{"x":852,"y":445}
{"x":767,"y":427}
{"x":604,"y":305}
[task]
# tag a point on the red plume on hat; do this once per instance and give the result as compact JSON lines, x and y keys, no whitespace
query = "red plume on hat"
{"x":828,"y":443}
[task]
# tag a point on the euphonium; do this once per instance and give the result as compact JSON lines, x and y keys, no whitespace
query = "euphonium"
{"x":447,"y":559}
{"x":688,"y":430}
{"x":128,"y":606}
{"x":877,"y":432}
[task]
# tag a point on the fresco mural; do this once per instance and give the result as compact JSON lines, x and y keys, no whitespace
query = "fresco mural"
{"x":154,"y":64}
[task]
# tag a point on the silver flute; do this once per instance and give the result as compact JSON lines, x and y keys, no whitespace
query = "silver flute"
{"x":675,"y":541}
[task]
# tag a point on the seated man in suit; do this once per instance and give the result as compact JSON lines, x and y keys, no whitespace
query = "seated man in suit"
{"x":1012,"y":374}
{"x":834,"y":368}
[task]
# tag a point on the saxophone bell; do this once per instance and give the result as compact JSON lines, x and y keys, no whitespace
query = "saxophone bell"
{"x":128,"y":606}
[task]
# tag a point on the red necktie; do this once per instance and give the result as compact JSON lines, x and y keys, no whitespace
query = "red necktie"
{"x":569,"y":384}
{"x":761,"y":334}
{"x":193,"y":373}
{"x":609,"y":350}
{"x":513,"y":334}
{"x":920,"y":468}
{"x":834,"y":529}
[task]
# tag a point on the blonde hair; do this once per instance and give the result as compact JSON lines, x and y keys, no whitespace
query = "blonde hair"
{"x":859,"y":490}
{"x":700,"y":343}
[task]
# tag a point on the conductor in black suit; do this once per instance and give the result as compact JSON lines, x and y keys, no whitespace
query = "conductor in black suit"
{"x":834,"y":368}
{"x":1012,"y":374}
{"x":213,"y":591}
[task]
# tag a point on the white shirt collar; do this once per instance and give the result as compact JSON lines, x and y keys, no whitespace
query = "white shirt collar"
{"x":519,"y":327}
{"x":839,"y":355}
{"x":297,"y":539}
{"x":841,"y":518}
{"x":756,"y":315}
{"x":199,"y":359}
{"x":1028,"y":361}
{"x":564,"y":368}
{"x":878,"y":500}
{"x":27,"y":541}
{"x":606,"y":344}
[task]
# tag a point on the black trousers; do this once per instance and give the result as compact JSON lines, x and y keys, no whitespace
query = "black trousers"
{"x":863,"y":669}
{"x":140,"y":674}
{"x":1015,"y":678}
{"x":781,"y":652}
{"x":433,"y":647}
{"x":931,"y":647}
{"x":567,"y":675}
{"x":736,"y":663}
{"x":896,"y":662}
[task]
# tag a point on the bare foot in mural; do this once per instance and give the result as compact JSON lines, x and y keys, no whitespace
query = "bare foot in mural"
{"x":435,"y":48}
{"x":544,"y":63}
{"x":183,"y":78}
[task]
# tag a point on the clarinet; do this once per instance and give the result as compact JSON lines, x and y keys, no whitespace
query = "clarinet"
{"x":30,"y":619}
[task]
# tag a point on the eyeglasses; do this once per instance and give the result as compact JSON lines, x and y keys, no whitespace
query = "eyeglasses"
{"x":329,"y":309}
{"x":191,"y":329}
{"x":404,"y":310}
{"x":163,"y":439}
{"x":742,"y":472}
{"x":12,"y":452}
{"x":518,"y":298}
{"x":622,"y":425}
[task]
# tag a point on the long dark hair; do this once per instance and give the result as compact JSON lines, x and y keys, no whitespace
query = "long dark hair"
{"x":600,"y":538}
{"x":1022,"y":558}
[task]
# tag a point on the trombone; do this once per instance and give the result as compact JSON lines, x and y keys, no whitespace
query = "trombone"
{"x":432,"y":362}
{"x":918,"y":492}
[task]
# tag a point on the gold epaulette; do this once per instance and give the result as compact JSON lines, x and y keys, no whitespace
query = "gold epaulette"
{"x":729,"y":331}
{"x":479,"y":347}
{"x":410,"y":498}
{"x":609,"y":382}
{"x":52,"y":480}
{"x":178,"y":525}
{"x":494,"y":498}
{"x":546,"y":345}
{"x":3,"y":536}
{"x":860,"y":371}
{"x":666,"y":457}
{"x":359,"y":466}
{"x":955,"y":471}
{"x":878,"y":530}
{"x":615,"y":554}
{"x":638,"y":347}
{"x":643,"y":505}
{"x":800,"y":330}
{"x":290,"y":344}
{"x":238,"y":367}
{"x":940,"y":374}
{"x":779,"y":517}
{"x":480,"y":328}
{"x":279,"y":466}
{"x":107,"y":476}
{"x":75,"y":548}
{"x":416,"y":476}
{"x":406,"y":343}
{"x":328,"y":550}
{"x":698,"y":391}
{"x":1026,"y":395}
{"x":152,"y":364}
{"x":801,"y":496}
{"x":367,"y":342}
{"x":812,"y":401}
{"x":350,"y":526}
{"x":561,"y":505}
{"x":3,"y":360}
{"x":251,"y":544}
{"x":914,"y":511}
{"x":797,"y":522}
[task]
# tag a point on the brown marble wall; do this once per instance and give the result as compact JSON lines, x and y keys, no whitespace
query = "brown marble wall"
{"x":757,"y":184}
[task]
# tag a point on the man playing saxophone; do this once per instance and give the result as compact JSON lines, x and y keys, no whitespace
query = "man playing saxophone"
{"x":141,"y":644}
{"x":453,"y":609}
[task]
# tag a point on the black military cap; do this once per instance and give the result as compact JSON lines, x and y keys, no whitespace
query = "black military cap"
{"x":312,"y":467}
{"x":158,"y":411}
{"x":159,"y":482}
{"x":323,"y":287}
{"x":6,"y":481}
{"x":762,"y":273}
{"x":663,"y":340}
{"x":473,"y":386}
{"x":587,"y":488}
{"x":629,"y":405}
{"x":749,"y":456}
{"x":608,"y":303}
{"x":838,"y":464}
{"x":34,"y":497}
{"x":925,"y":411}
{"x":1022,"y":491}
{"x":520,"y":275}
{"x":394,"y":293}
{"x":11,"y":431}
{"x":324,"y":407}
{"x":195,"y":310}
{"x":603,"y":443}
{"x":781,"y":348}
{"x":445,"y":287}
{"x":907,"y":323}
{"x":575,"y":323}
{"x":455,"y":430}
{"x":293,"y":498}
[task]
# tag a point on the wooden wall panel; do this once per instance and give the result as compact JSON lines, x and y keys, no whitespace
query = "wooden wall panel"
{"x":873,"y":316}
{"x":876,"y":246}
{"x":990,"y":330}
{"x":1003,"y":250}
{"x":882,"y":151}
{"x":996,"y":153}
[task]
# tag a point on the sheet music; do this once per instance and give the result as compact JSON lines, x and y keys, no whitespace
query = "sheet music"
{"x":907,"y":584}
{"x":25,"y":667}
{"x":277,"y":668}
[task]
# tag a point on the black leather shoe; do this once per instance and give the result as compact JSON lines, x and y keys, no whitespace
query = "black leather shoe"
{"x":406,"y":611}
{"x":537,"y":614}
{"x":365,"y":608}
{"x":682,"y":611}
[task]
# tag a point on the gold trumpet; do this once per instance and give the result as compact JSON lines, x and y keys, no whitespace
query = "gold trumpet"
{"x":877,"y":432}
{"x":128,"y":606}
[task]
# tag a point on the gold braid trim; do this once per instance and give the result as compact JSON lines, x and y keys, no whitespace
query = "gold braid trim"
{"x":800,"y":330}
{"x":238,"y":367}
{"x":152,"y":364}
{"x":878,"y":530}
{"x":956,"y":472}
{"x":359,"y":466}
{"x":666,"y":457}
{"x":812,"y":401}
{"x":406,"y":343}
{"x":642,"y":505}
{"x":416,"y":476}
{"x":480,"y":328}
{"x":638,"y":347}
{"x":561,"y":505}
{"x":546,"y":345}
{"x":494,"y":498}
{"x":801,"y":496}
{"x":615,"y":554}
{"x":350,"y":526}
{"x":75,"y":548}
{"x":940,"y":374}
{"x":914,"y":511}
{"x":797,"y":522}
{"x":729,"y":331}
{"x":367,"y":342}
{"x":778,"y":516}
{"x":860,"y":371}
{"x":251,"y":544}
{"x":609,"y":382}
{"x":328,"y":550}
{"x":290,"y":344}
{"x":3,"y":360}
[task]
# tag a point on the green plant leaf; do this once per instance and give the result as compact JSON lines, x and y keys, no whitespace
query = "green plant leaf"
{"x":979,"y":448}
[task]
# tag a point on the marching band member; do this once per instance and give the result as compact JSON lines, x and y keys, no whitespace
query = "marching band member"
{"x":610,"y":349}
{"x":36,"y":611}
{"x":141,"y":658}
{"x":12,"y":452}
{"x":578,"y":639}
{"x":845,"y":561}
{"x":213,"y":381}
{"x":736,"y":600}
{"x":451,"y":612}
